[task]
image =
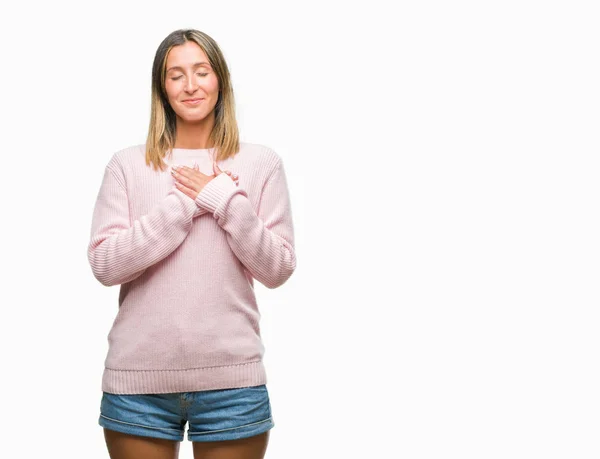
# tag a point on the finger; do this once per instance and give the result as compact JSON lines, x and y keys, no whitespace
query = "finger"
{"x":216,"y":168}
{"x":186,"y":171}
{"x":196,"y":167}
{"x":178,"y":172}
{"x":185,"y":190}
{"x":185,"y":180}
{"x":182,"y":170}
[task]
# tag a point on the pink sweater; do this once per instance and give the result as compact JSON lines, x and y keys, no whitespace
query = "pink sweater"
{"x":188,"y":318}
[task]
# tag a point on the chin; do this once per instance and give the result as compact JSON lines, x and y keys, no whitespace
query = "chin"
{"x":192,"y":119}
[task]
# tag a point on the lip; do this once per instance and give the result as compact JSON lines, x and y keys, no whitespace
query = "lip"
{"x":192,"y":101}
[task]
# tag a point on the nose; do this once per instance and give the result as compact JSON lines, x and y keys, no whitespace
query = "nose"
{"x":190,"y":85}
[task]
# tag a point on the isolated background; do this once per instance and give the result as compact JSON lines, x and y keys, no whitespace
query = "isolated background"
{"x":442,"y":159}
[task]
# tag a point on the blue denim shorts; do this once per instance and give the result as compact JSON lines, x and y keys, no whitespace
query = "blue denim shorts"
{"x":212,"y":415}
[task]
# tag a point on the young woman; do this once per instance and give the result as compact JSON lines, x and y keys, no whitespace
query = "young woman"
{"x":185,"y":223}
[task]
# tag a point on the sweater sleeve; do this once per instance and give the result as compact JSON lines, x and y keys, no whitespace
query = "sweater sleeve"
{"x":263,"y":241}
{"x":120,"y":250}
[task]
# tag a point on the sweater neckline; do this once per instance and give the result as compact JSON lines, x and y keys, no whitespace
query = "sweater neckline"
{"x":182,"y":153}
{"x":192,"y":151}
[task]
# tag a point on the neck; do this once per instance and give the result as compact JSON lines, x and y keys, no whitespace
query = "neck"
{"x":194,"y":135}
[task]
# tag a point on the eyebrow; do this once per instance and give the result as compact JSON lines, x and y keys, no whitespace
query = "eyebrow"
{"x":197,"y":64}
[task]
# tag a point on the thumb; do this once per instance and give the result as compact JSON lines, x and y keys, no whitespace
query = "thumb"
{"x":216,"y":169}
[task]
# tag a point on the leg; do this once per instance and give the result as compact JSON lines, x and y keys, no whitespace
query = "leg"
{"x":126,"y":446}
{"x":245,"y":448}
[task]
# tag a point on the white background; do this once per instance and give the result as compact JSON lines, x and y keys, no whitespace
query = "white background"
{"x":442,"y":160}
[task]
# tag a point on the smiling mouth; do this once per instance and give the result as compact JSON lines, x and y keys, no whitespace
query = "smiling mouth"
{"x":192,"y":101}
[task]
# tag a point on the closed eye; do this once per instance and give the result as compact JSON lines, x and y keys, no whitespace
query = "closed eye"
{"x":177,"y":78}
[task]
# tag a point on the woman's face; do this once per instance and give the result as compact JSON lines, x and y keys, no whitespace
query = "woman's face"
{"x":190,"y":77}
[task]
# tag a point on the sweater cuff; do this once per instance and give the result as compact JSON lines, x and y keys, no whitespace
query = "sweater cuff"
{"x":215,"y":192}
{"x":191,"y":209}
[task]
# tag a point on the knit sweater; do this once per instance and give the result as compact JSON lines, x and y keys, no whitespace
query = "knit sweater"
{"x":188,"y":319}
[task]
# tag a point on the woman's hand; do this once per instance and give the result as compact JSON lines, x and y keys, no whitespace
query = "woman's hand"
{"x":234,"y":177}
{"x":191,"y":181}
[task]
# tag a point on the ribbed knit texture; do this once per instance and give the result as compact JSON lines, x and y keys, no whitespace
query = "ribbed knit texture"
{"x":188,"y":318}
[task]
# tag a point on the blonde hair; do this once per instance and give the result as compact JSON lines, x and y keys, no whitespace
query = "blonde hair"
{"x":162,"y":130}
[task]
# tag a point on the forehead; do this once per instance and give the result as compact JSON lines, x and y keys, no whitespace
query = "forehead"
{"x":185,"y":55}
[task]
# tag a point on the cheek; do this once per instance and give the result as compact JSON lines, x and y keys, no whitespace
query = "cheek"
{"x":171,"y":90}
{"x":213,"y":85}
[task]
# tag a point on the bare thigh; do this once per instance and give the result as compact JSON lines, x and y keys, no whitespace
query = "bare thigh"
{"x":244,"y":448}
{"x":126,"y":446}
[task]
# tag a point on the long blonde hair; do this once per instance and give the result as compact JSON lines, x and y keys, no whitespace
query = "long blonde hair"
{"x":162,"y":130}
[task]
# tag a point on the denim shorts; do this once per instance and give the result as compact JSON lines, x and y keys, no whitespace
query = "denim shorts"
{"x":213,"y":415}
